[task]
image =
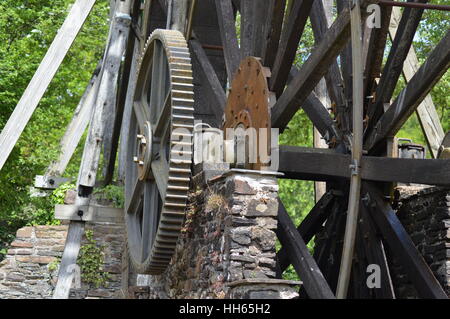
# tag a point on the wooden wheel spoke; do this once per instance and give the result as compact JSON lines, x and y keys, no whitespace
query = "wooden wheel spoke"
{"x":292,"y":32}
{"x":412,"y":95}
{"x":158,"y":89}
{"x":227,"y":28}
{"x":272,"y":31}
{"x":402,"y":245}
{"x":308,"y":227}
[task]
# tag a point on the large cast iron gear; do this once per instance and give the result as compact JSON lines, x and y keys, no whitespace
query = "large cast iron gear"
{"x":160,"y":151}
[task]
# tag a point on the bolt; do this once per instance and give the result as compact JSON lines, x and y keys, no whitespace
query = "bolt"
{"x":141,"y":163}
{"x":135,"y":159}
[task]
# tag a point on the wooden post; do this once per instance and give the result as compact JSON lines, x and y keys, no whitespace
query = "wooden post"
{"x":426,"y":111}
{"x":43,"y":76}
{"x":91,"y":154}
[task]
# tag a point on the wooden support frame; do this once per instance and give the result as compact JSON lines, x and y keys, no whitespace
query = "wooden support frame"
{"x":43,"y":76}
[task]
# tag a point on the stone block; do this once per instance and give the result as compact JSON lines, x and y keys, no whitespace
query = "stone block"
{"x":25,"y":232}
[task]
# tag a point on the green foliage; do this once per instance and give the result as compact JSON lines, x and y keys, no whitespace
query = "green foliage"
{"x":91,"y":261}
{"x":27,"y":28}
{"x":111,"y":193}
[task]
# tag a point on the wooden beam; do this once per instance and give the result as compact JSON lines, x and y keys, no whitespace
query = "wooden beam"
{"x":321,"y":20}
{"x":212,"y":80}
{"x":272,"y":31}
{"x":401,"y":244}
{"x":315,"y":284}
{"x":43,"y":76}
{"x":89,"y":213}
{"x":314,"y":68}
{"x":227,"y":28}
{"x":326,"y":165}
{"x":394,"y":64}
{"x":308,"y":227}
{"x":76,"y":128}
{"x":412,"y":95}
{"x":287,"y":48}
{"x":106,"y":98}
{"x":426,"y":111}
{"x":69,"y":258}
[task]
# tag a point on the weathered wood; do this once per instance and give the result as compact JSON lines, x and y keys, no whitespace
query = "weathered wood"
{"x":76,"y":128}
{"x":105,"y":100}
{"x":413,"y":94}
{"x":212,"y":81}
{"x":128,"y":109}
{"x":227,"y":28}
{"x":304,"y":264}
{"x":426,"y":111}
{"x":89,"y":213}
{"x":246,"y":41}
{"x":318,"y":113}
{"x":401,"y":244}
{"x":69,"y":258}
{"x":314,"y":164}
{"x":375,"y":254}
{"x":287,"y":48}
{"x":313,"y":69}
{"x":49,"y":182}
{"x":394,"y":64}
{"x":43,"y":76}
{"x":308,"y":227}
{"x":321,"y":17}
{"x":272,"y":31}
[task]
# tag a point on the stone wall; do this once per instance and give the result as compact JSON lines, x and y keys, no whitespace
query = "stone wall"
{"x":425,"y":214}
{"x":31,"y":265}
{"x":227,"y":248}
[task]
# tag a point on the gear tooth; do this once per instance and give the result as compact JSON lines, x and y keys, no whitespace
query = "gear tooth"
{"x":174,"y":203}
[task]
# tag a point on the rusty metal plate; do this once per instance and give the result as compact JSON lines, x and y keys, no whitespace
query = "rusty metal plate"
{"x":249,"y":102}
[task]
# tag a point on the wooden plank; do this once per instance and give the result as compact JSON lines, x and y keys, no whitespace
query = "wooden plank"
{"x":314,"y":164}
{"x":49,"y":182}
{"x":43,"y":76}
{"x":287,"y":48}
{"x":105,"y":100}
{"x":401,"y":244}
{"x":304,"y":264}
{"x":69,"y":258}
{"x":308,"y":227}
{"x":272,"y":31}
{"x":426,"y":111}
{"x":412,"y":95}
{"x":227,"y":28}
{"x":89,"y":213}
{"x":314,"y":68}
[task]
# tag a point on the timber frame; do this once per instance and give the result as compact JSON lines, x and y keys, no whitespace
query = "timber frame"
{"x":272,"y":31}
